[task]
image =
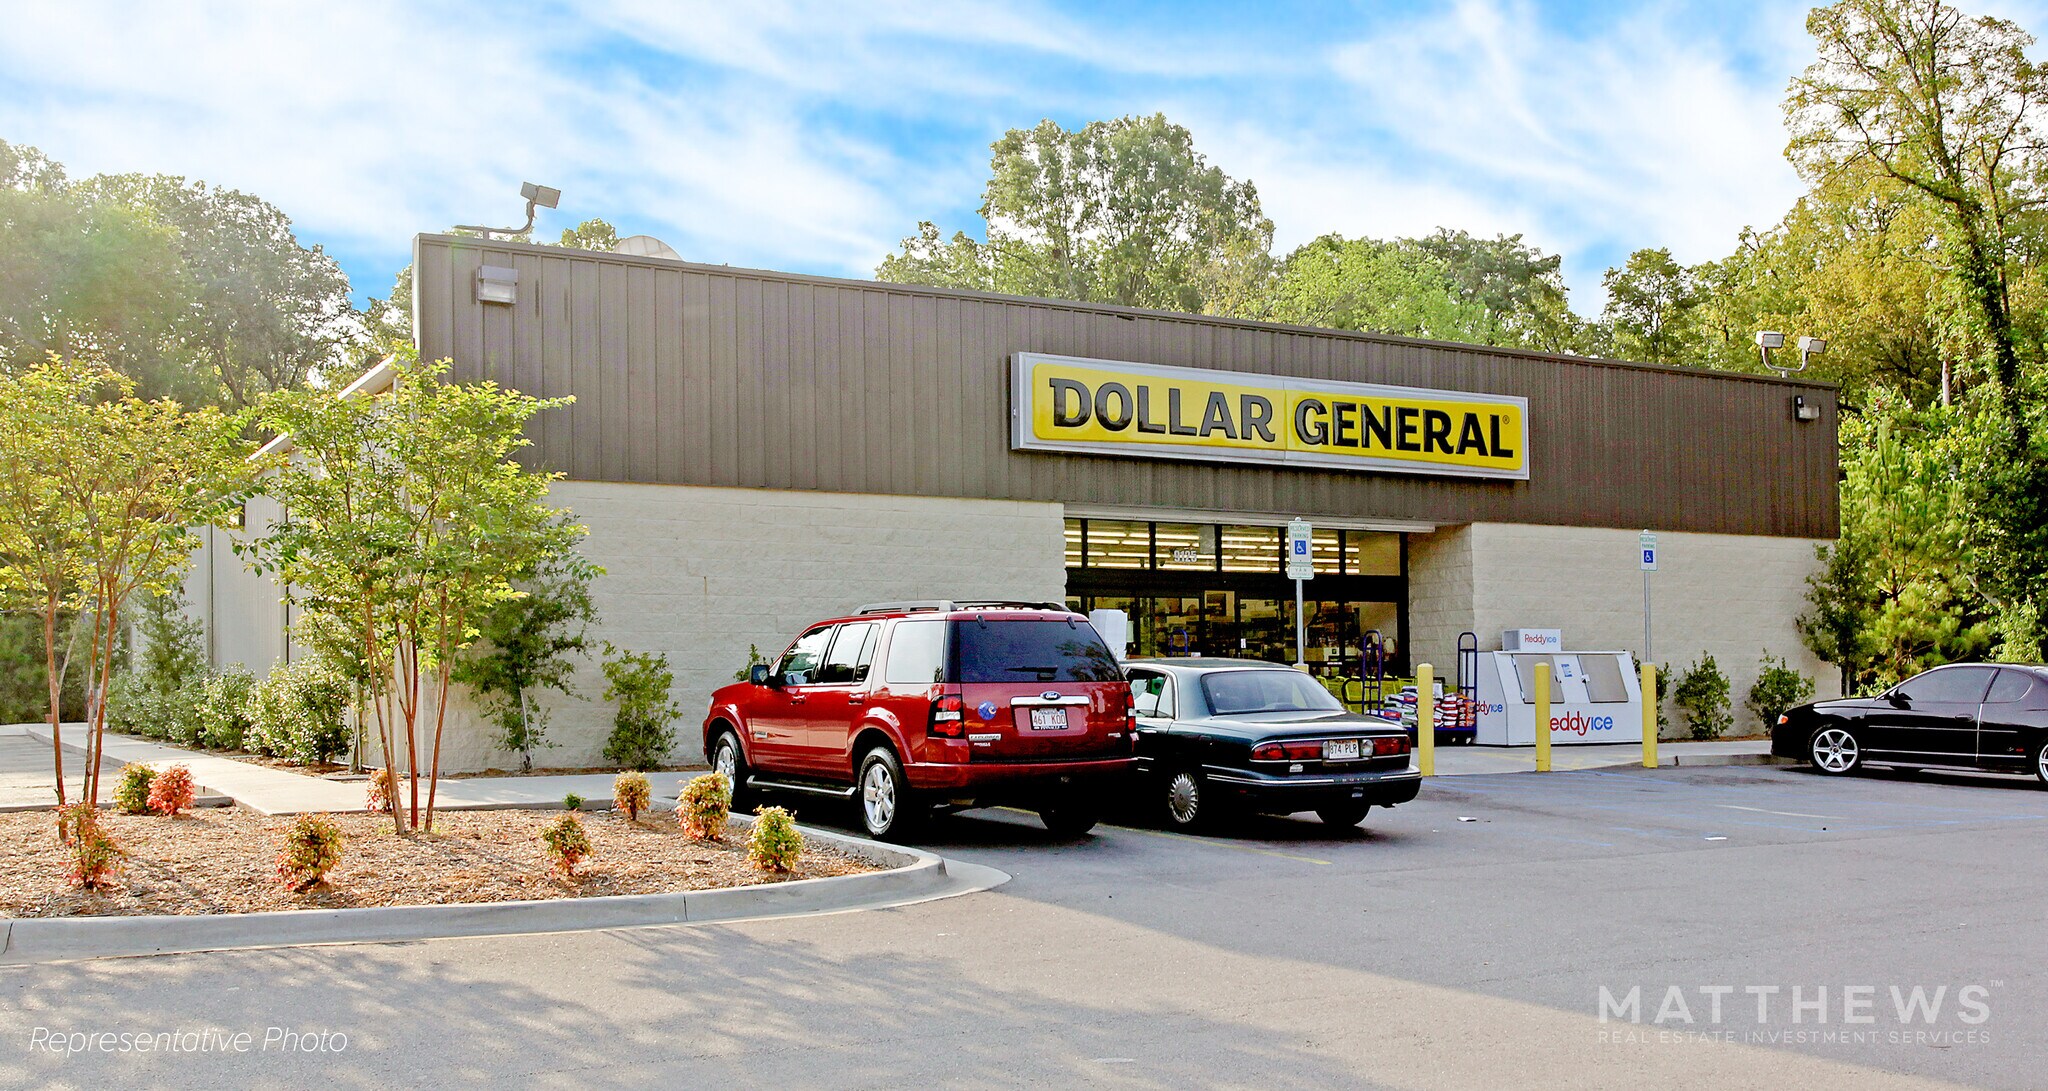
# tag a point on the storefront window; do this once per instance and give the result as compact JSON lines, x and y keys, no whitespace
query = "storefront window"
{"x":1119,"y":544}
{"x":1185,"y":547}
{"x":1328,"y":545}
{"x":1372,"y":553}
{"x":1073,"y":543}
{"x":1251,"y":549}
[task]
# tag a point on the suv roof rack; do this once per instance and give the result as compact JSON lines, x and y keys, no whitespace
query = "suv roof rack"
{"x":941,"y":606}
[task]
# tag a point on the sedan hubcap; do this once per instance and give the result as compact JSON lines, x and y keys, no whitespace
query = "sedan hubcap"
{"x":1834,"y":750}
{"x":878,"y":796}
{"x":1183,"y":798}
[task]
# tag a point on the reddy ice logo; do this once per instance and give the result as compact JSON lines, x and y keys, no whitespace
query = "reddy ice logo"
{"x":1573,"y":723}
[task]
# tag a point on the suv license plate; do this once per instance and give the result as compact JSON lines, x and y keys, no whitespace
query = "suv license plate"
{"x":1049,"y":719}
{"x":1340,"y":750}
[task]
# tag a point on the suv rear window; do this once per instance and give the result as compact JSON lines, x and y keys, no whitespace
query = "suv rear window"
{"x":1029,"y":651}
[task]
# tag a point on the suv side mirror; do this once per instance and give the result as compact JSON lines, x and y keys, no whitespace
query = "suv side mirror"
{"x":758,"y":675}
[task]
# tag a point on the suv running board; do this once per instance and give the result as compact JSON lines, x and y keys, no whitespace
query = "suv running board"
{"x":814,"y":789}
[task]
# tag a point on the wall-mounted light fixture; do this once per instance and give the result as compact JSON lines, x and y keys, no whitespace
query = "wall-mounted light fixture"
{"x":1803,"y":409}
{"x":497,"y":284}
{"x":1809,"y":347}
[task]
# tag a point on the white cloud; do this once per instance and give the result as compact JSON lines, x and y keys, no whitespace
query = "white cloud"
{"x":1639,"y":136}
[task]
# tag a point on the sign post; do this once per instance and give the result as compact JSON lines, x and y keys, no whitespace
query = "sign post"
{"x":1648,"y":545}
{"x":1301,"y":565}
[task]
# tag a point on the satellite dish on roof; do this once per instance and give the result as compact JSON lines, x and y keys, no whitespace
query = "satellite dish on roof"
{"x":646,"y":246}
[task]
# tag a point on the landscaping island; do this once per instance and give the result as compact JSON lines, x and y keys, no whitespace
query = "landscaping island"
{"x":225,"y":861}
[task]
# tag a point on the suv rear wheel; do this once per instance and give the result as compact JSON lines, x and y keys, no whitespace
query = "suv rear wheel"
{"x":888,"y":810}
{"x":1070,"y":819}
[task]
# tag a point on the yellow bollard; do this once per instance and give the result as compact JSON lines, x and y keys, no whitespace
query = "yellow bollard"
{"x":1425,"y":719}
{"x":1649,"y":716}
{"x":1543,"y":717}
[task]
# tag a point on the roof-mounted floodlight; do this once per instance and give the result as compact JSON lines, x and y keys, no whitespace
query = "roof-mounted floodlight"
{"x":536,"y":197}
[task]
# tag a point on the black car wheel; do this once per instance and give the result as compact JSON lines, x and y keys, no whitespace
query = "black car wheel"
{"x":1344,"y":814}
{"x":1835,"y":752}
{"x":2041,"y":762}
{"x":888,"y":811}
{"x":1186,"y":808}
{"x":1069,"y":819}
{"x":727,"y":759}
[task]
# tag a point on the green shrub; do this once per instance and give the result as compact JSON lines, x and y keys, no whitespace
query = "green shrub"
{"x":703,"y":807}
{"x":223,"y":711}
{"x":572,"y":802}
{"x":1702,"y":691}
{"x":171,"y":791}
{"x":566,"y":841}
{"x":159,"y":696}
{"x":1778,"y":687}
{"x":94,"y":858}
{"x":300,"y":713}
{"x":632,"y":794}
{"x":177,"y":716}
{"x":754,"y":657}
{"x":131,"y":792}
{"x":643,"y":730}
{"x":776,"y":845}
{"x":312,"y":846}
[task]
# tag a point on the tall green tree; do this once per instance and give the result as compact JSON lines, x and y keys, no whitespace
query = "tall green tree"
{"x":1125,"y":211}
{"x":1651,"y":308}
{"x":1377,"y":287}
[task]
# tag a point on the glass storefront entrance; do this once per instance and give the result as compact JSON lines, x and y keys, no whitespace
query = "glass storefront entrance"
{"x":1217,"y":590}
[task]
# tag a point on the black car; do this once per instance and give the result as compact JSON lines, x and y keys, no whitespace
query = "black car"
{"x":1222,"y":734}
{"x":1971,"y":716}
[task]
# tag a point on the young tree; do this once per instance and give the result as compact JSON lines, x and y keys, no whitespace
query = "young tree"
{"x":102,"y":491}
{"x":527,"y":645}
{"x":408,"y":507}
{"x":1650,"y":305}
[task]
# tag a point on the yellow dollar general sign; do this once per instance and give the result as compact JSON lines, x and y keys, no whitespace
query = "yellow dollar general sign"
{"x":1105,"y":407}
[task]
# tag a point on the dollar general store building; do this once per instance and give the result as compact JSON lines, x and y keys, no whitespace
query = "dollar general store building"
{"x":753,"y":451}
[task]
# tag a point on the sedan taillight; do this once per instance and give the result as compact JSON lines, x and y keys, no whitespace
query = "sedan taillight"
{"x":1288,"y":751}
{"x":1389,"y":745}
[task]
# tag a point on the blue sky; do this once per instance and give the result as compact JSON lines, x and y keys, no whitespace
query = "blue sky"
{"x":813,"y":136}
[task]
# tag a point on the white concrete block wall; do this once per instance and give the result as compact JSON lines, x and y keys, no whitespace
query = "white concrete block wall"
{"x":1439,"y":597}
{"x":701,"y":573}
{"x":1733,"y":596}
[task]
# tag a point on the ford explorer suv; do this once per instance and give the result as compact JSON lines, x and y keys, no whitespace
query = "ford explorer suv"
{"x":908,"y":707}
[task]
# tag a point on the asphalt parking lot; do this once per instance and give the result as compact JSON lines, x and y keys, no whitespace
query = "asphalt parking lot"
{"x":1460,"y":941}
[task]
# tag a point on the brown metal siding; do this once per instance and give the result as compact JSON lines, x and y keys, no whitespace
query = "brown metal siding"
{"x":704,"y":375}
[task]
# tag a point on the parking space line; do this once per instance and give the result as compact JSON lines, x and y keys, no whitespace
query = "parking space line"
{"x":1222,"y":844}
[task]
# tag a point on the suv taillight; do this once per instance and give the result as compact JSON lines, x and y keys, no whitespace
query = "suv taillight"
{"x":1130,"y":711}
{"x":946,"y":720}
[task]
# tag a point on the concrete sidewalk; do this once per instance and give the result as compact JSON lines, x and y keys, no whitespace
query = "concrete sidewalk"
{"x":1454,"y":761}
{"x":276,"y":791}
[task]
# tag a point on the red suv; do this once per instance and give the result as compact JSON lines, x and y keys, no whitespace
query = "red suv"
{"x":908,"y":706}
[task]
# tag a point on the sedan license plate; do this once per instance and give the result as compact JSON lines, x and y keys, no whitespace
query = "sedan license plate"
{"x":1048,"y":719}
{"x":1340,"y":750}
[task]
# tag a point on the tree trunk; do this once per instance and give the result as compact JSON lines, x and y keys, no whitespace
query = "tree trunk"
{"x":440,"y":720}
{"x":56,"y":682}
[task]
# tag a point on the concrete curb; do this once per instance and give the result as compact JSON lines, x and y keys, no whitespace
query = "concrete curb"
{"x":1694,"y":761}
{"x":209,"y":799}
{"x":914,"y":875}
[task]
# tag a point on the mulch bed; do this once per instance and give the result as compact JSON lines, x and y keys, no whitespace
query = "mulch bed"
{"x":225,"y":861}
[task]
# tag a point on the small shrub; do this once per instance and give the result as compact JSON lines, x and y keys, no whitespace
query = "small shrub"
{"x":299,"y":713}
{"x":177,"y":716}
{"x":171,"y":791}
{"x":705,"y":804}
{"x":776,"y":845}
{"x":312,"y":846}
{"x":643,"y":729}
{"x":1702,"y":691}
{"x":383,"y":794}
{"x":223,"y":712}
{"x":94,"y":858}
{"x":632,"y":794}
{"x":754,"y":657}
{"x":1778,"y":687}
{"x":572,"y":802}
{"x":131,"y":792}
{"x":567,"y":843}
